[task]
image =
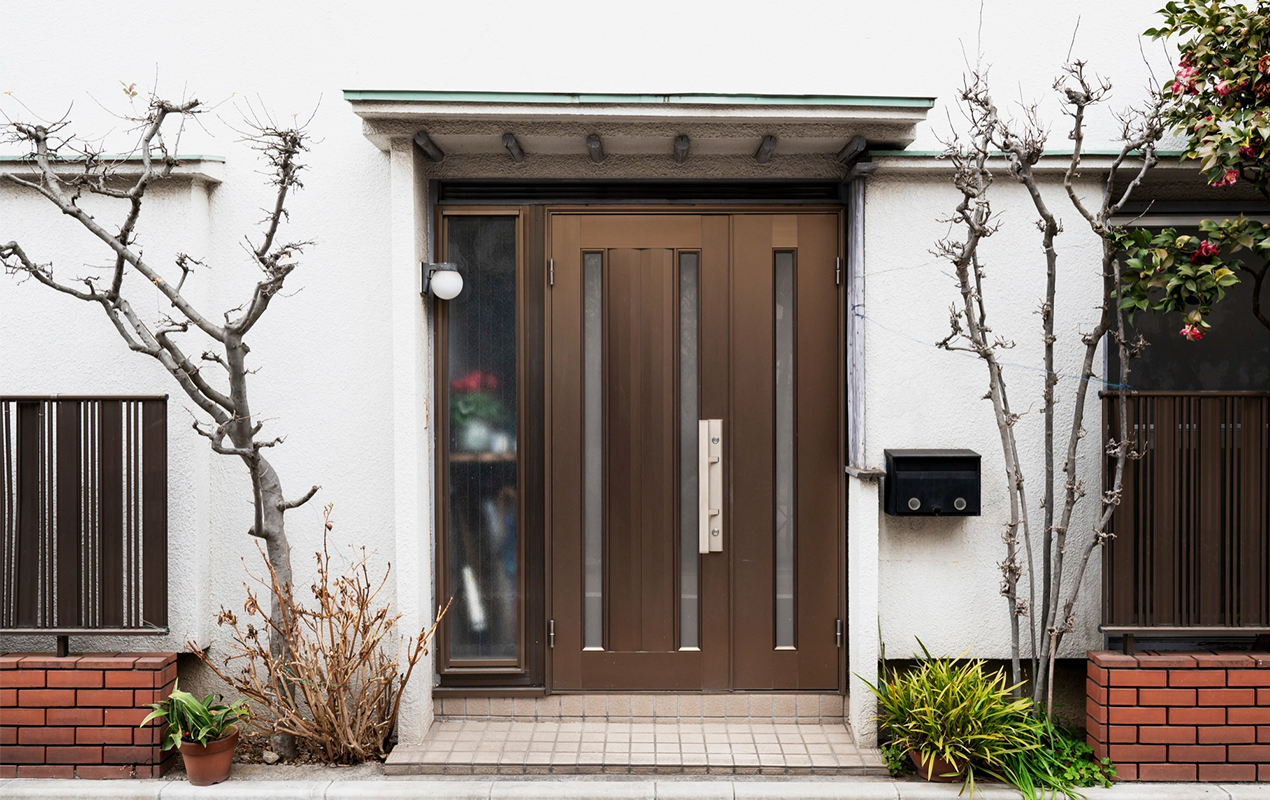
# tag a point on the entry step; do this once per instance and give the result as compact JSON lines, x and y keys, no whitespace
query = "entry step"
{"x":782,"y":708}
{"x":586,"y":747}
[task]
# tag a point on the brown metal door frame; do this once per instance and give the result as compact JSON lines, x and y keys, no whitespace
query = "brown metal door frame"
{"x":820,"y":667}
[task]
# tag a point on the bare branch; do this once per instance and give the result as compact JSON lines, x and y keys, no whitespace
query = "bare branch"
{"x":289,"y":504}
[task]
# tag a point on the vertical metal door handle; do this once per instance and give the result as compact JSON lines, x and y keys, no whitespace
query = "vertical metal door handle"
{"x":710,"y":485}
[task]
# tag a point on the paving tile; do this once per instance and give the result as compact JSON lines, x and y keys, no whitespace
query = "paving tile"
{"x":714,"y":706}
{"x":493,"y":746}
{"x":596,"y":705}
{"x":620,"y":706}
{"x":689,"y":706}
{"x":643,"y":705}
{"x":549,"y":707}
{"x":760,"y":706}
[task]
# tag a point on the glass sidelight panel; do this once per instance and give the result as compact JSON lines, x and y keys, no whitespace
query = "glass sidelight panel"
{"x":482,"y":551}
{"x":593,"y":450}
{"x":784,"y":310}
{"x":689,"y":587}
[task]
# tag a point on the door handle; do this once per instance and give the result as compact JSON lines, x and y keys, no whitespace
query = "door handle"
{"x":710,"y":485}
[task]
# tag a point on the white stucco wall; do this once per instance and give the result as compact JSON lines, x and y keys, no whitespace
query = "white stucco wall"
{"x":344,"y":359}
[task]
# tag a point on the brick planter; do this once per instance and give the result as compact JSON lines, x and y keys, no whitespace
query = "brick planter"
{"x":78,"y":716}
{"x":1174,"y":716}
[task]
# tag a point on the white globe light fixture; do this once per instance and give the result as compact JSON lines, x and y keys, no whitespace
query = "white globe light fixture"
{"x":442,"y":281}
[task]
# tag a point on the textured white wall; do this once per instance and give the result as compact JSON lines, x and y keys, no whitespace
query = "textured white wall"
{"x":335,"y":376}
{"x":938,"y":576}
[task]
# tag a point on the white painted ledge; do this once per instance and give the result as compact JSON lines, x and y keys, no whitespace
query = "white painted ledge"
{"x":199,"y":168}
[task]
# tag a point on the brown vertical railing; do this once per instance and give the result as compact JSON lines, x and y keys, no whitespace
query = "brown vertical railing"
{"x":83,"y":514}
{"x":1191,"y":551}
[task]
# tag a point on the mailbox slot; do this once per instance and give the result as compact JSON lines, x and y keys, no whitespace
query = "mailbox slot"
{"x":932,"y":483}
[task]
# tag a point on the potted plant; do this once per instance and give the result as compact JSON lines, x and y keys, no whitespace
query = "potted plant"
{"x":476,"y":410}
{"x":958,"y":721}
{"x":204,"y":731}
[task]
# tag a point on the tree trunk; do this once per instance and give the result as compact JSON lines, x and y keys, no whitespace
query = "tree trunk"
{"x":271,"y":513}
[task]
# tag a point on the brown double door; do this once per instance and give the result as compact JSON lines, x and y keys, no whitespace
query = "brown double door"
{"x":696,"y":490}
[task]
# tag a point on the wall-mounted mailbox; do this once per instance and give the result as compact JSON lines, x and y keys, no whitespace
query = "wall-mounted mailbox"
{"x":931,"y":483}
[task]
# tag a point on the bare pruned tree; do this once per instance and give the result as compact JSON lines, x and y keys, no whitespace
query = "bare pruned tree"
{"x":66,"y":169}
{"x":1021,"y":145}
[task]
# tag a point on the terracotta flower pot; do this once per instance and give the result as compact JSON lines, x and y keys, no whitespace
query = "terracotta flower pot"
{"x":210,"y":763}
{"x":936,"y":769}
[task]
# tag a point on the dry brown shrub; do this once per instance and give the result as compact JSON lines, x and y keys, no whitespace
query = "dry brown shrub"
{"x":341,"y":689}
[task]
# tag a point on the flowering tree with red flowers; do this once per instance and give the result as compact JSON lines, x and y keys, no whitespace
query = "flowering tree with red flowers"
{"x":1220,"y":101}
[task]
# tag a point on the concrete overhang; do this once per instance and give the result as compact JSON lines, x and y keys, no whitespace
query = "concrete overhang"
{"x":198,"y":168}
{"x":718,"y":125}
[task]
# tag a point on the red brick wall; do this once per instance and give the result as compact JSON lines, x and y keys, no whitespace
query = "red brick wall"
{"x":78,"y":716}
{"x":1173,"y":716}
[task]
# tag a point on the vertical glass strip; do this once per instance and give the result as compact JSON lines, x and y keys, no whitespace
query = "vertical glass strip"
{"x":689,"y":603}
{"x":784,"y":301}
{"x":593,"y":449}
{"x":483,"y":541}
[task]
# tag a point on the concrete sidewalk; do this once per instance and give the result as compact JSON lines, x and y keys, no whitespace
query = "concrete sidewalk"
{"x":583,"y":788}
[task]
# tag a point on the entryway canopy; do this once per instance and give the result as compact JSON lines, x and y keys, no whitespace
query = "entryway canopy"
{"x":531,"y":135}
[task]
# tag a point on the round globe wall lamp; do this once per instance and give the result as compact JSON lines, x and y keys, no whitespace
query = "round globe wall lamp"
{"x":442,"y":281}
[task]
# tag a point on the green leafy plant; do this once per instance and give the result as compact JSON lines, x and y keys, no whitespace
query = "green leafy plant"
{"x":482,"y":406}
{"x":192,"y":720}
{"x":1220,"y":98}
{"x":959,"y":713}
{"x":1074,"y":759}
{"x":896,"y":759}
{"x":1219,"y":103}
{"x":1180,"y":273}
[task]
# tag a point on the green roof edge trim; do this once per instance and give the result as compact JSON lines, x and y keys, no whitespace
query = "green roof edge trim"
{"x":113,"y":157}
{"x":393,"y":95}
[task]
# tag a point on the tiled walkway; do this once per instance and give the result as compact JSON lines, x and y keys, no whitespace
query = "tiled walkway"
{"x":583,"y":746}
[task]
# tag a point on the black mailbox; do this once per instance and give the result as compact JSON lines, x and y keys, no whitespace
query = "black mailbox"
{"x":930,"y":483}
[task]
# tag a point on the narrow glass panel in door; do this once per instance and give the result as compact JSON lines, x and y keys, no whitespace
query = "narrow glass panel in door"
{"x":689,"y":472}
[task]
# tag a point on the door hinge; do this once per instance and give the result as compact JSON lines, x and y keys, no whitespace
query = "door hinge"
{"x":551,"y":633}
{"x":551,"y":272}
{"x":837,"y":632}
{"x":837,"y":272}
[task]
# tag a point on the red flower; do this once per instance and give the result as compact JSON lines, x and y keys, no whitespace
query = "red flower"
{"x":1204,"y":251}
{"x":1247,"y":152}
{"x":1228,"y":179}
{"x":1192,"y":332}
{"x":474,"y":381}
{"x":1223,"y":88}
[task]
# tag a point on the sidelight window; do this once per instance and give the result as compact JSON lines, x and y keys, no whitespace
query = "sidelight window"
{"x":482,"y":538}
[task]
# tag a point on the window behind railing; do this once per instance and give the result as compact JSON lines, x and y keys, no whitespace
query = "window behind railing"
{"x":1191,"y":552}
{"x":83,"y":514}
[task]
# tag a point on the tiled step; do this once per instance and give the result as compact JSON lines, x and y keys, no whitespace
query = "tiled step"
{"x":605,"y":746}
{"x":735,"y":707}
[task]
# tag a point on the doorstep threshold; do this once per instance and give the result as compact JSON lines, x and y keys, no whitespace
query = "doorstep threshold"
{"x":619,"y":747}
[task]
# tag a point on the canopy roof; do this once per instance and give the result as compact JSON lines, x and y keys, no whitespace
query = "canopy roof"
{"x":474,"y":123}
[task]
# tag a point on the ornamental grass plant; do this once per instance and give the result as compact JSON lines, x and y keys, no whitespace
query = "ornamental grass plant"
{"x":961,"y":720}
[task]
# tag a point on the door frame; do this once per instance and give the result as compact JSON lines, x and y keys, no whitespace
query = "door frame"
{"x":840,"y":211}
{"x":532,"y":676}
